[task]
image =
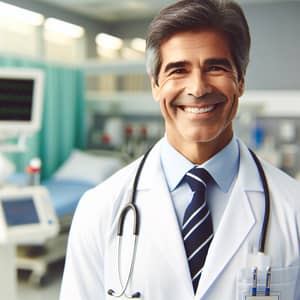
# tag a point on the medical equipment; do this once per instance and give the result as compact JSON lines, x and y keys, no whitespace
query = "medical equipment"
{"x":21,"y":98}
{"x":131,"y":206}
{"x":26,"y":216}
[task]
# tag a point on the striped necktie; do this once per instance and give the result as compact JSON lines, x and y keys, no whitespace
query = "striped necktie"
{"x":197,"y":229}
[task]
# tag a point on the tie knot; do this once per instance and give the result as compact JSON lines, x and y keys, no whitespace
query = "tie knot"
{"x":197,"y":178}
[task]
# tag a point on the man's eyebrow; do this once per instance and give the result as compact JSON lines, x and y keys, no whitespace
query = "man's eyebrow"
{"x":219,"y":61}
{"x":177,"y":64}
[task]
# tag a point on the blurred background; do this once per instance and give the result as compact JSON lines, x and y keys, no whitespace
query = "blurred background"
{"x":92,"y":111}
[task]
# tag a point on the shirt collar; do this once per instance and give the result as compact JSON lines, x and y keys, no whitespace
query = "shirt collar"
{"x":223,"y":166}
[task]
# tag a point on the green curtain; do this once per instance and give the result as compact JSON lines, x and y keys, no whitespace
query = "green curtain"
{"x":63,"y":125}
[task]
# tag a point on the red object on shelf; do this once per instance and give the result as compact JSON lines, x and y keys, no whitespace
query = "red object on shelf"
{"x":128,"y":131}
{"x":143,"y":132}
{"x":106,"y":139}
{"x":30,"y":169}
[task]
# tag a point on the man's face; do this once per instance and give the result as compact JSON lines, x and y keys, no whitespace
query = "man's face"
{"x":198,"y":89}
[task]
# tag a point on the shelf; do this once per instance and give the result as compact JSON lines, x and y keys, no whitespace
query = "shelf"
{"x":119,"y":67}
{"x":272,"y":103}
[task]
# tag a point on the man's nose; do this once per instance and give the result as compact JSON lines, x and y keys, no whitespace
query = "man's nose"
{"x":197,"y":85}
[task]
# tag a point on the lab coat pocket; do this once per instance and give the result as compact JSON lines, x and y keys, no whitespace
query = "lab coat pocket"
{"x":283,"y":283}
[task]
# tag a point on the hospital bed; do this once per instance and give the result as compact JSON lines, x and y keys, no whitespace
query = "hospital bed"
{"x":80,"y":172}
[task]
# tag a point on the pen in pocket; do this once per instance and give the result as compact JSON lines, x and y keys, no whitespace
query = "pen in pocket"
{"x":254,"y":281}
{"x":268,"y":282}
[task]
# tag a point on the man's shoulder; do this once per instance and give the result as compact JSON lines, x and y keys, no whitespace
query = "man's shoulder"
{"x":121,"y":182}
{"x":282,"y":185}
{"x":277,"y":175}
{"x":104,"y":199}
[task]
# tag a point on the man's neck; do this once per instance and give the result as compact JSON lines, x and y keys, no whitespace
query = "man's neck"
{"x":200,"y":152}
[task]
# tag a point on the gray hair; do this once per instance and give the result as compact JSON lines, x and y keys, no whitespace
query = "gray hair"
{"x":225,"y":16}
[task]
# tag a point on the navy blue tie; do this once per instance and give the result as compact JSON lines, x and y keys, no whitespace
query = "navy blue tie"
{"x":197,"y":229}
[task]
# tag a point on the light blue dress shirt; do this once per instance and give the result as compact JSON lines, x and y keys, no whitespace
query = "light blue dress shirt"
{"x":223,"y":167}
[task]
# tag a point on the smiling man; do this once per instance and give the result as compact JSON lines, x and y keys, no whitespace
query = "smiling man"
{"x":204,"y":227}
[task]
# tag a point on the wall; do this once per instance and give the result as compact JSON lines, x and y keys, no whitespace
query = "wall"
{"x":275,"y":62}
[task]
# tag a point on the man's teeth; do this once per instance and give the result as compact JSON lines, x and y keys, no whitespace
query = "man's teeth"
{"x":199,"y":110}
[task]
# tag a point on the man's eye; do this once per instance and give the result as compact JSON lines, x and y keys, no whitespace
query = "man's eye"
{"x":178,"y":71}
{"x":216,"y":68}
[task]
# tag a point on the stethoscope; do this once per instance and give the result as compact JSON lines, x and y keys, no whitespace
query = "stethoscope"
{"x":131,"y":206}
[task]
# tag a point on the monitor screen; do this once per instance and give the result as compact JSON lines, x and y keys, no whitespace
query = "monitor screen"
{"x":16,"y":99}
{"x":20,"y":211}
{"x":21,"y":97}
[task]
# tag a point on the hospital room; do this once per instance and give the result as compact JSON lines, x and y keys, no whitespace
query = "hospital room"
{"x":77,"y":105}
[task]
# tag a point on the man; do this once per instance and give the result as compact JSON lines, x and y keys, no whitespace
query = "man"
{"x":197,"y":55}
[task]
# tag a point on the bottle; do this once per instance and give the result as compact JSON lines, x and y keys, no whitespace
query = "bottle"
{"x":33,"y":171}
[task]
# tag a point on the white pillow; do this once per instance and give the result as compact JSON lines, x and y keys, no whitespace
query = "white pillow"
{"x":87,"y":167}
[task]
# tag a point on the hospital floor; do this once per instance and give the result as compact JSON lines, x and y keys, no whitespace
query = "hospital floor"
{"x":49,"y":291}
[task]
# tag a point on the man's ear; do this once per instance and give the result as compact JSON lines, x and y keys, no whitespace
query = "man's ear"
{"x":155,"y":89}
{"x":241,"y":86}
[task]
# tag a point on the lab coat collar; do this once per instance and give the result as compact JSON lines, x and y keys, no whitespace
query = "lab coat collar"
{"x":150,"y":168}
{"x":248,"y":174}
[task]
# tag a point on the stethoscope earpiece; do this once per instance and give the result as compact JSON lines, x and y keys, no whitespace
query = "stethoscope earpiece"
{"x":110,"y":292}
{"x":136,"y":295}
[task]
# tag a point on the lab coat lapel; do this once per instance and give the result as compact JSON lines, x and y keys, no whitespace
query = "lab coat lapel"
{"x":232,"y":231}
{"x":235,"y":225}
{"x":159,"y":221}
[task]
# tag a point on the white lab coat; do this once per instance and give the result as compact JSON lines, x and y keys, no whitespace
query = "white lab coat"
{"x":161,"y":271}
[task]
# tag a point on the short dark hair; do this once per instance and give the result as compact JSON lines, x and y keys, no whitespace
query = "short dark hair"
{"x":225,"y":16}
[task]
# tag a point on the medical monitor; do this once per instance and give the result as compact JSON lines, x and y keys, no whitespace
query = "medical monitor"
{"x":21,"y":98}
{"x":26,"y":215}
{"x":20,"y":211}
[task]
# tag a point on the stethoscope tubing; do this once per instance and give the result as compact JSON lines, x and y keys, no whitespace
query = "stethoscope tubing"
{"x":130,"y":206}
{"x":264,"y":229}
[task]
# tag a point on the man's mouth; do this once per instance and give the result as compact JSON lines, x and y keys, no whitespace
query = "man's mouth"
{"x":198,"y":110}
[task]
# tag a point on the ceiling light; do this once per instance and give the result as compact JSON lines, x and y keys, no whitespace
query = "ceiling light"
{"x":107,"y":53}
{"x":138,"y":44}
{"x":109,"y":41}
{"x":136,"y":4}
{"x":63,"y":27}
{"x":33,"y":18}
{"x":129,"y":53}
